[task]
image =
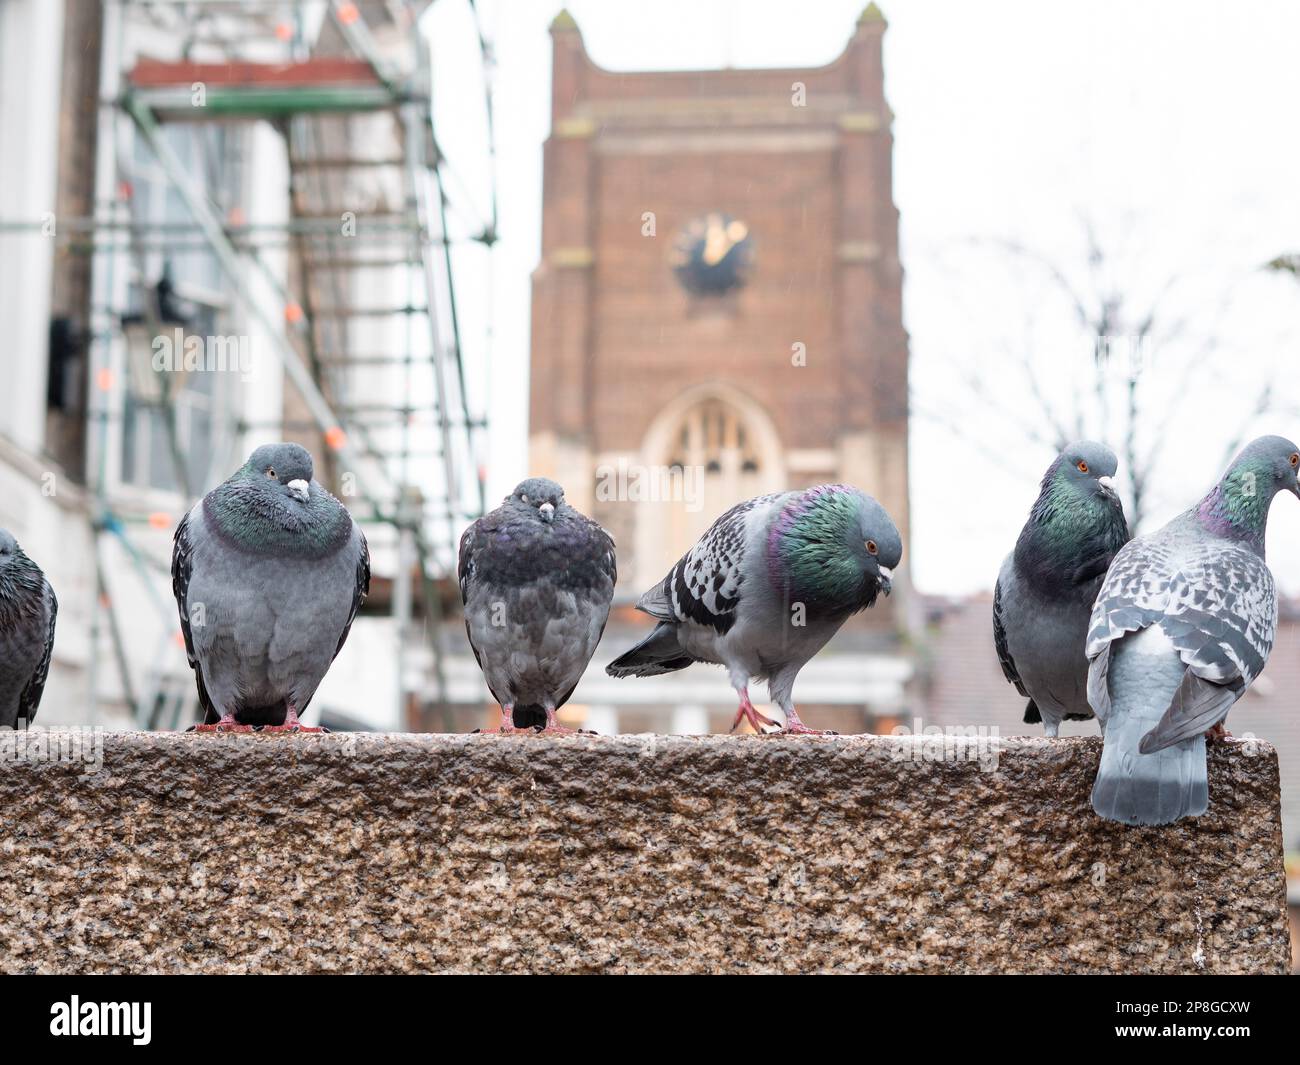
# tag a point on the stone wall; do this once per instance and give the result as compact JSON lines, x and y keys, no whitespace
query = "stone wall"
{"x":415,"y":853}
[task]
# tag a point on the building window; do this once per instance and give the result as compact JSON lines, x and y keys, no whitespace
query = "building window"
{"x":715,"y":449}
{"x":177,"y":288}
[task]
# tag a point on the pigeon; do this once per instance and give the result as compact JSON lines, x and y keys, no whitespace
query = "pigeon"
{"x":765,"y":588}
{"x":1043,"y":600}
{"x":1184,"y":622}
{"x":269,"y":571}
{"x":28,"y":610}
{"x":536,"y":579}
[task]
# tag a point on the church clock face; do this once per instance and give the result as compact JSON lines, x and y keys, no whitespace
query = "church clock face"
{"x":713,"y":255}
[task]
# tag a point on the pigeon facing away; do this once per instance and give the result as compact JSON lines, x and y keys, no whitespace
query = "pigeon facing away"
{"x":537,"y":578}
{"x":765,"y":588}
{"x":27,"y":613}
{"x":269,"y":571}
{"x":1183,"y":624}
{"x":1043,"y":600}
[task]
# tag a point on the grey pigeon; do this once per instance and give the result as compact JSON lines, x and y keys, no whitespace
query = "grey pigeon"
{"x":269,"y":571}
{"x":1183,"y":624}
{"x":536,"y":578}
{"x":1043,"y":600}
{"x":765,"y":588}
{"x":27,"y":613}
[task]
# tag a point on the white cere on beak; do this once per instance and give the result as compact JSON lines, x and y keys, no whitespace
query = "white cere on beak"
{"x":1107,"y":482}
{"x":547,"y":511}
{"x":301,"y":489}
{"x":886,"y":574}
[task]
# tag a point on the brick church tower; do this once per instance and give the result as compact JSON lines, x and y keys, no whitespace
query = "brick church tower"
{"x":718,"y":307}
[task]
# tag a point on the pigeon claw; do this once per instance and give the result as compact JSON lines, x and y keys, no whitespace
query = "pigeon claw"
{"x":507,"y":730}
{"x":226,"y":724}
{"x":795,"y":727}
{"x":1219,"y":732}
{"x":746,"y":712}
{"x":296,"y":727}
{"x":800,"y":729}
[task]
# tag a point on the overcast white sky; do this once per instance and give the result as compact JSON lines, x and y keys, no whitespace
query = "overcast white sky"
{"x":1171,"y":126}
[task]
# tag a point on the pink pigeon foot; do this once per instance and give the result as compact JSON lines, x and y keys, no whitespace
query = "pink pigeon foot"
{"x":506,"y":727}
{"x":292,"y":724}
{"x":746,"y":712}
{"x":226,"y":724}
{"x":795,"y":727}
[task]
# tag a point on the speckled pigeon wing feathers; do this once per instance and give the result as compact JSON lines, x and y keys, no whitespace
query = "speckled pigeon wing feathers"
{"x":705,"y":585}
{"x":1217,"y":602}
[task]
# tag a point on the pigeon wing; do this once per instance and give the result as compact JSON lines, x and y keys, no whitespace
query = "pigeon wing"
{"x":705,"y":584}
{"x":1000,"y":643}
{"x":30,"y":698}
{"x":1217,"y":604}
{"x":182,"y":552}
{"x":1223,"y":622}
{"x":466,"y":575}
{"x":360,"y":590}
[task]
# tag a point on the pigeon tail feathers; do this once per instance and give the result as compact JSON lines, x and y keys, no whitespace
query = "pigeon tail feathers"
{"x":660,"y":652}
{"x":1148,"y":789}
{"x":1136,"y":788}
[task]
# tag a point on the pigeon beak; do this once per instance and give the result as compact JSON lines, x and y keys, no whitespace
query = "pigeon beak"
{"x":1296,"y":488}
{"x":1108,"y":483}
{"x":547,"y":511}
{"x":886,"y":579}
{"x":301,"y":489}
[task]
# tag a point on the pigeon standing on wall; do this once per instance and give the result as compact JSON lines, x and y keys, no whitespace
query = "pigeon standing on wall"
{"x":1042,"y":603}
{"x":765,"y":588}
{"x":27,"y":613}
{"x":1183,"y":624}
{"x":269,"y":571}
{"x":536,"y":578}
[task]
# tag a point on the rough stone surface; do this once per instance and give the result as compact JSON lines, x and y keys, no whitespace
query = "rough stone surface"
{"x":417,"y":853}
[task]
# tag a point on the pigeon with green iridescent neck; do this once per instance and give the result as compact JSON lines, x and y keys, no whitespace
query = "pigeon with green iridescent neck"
{"x":765,"y":588}
{"x":1043,"y":600}
{"x":1183,"y":625}
{"x":269,"y":571}
{"x":27,"y":613}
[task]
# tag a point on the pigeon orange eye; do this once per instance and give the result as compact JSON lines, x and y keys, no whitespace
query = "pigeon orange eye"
{"x":1083,"y":466}
{"x":1295,"y":460}
{"x":872,"y":548}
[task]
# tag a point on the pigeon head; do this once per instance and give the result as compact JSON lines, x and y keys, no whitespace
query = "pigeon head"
{"x":1237,"y":507}
{"x":1076,"y":502}
{"x":17,"y":571}
{"x":1085,"y":467}
{"x":271,"y":506}
{"x":284,"y":468}
{"x":1077,"y":515}
{"x":834,"y":548}
{"x":538,"y":496}
{"x":1273,"y":462}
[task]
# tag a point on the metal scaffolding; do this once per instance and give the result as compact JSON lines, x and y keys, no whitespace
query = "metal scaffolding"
{"x":361,"y":318}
